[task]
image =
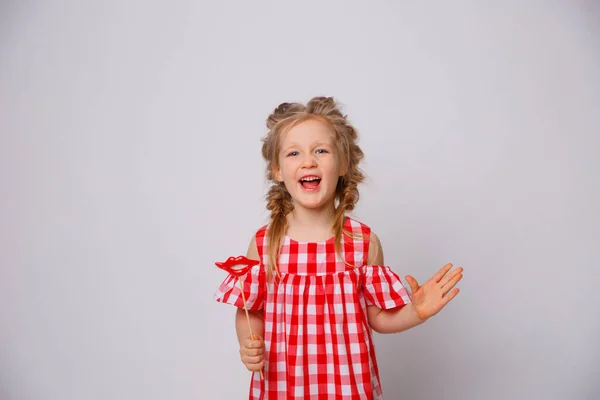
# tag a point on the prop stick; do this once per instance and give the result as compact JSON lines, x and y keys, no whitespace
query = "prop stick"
{"x":238,"y":266}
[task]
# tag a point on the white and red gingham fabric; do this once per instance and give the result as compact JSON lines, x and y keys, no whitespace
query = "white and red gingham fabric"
{"x":318,"y":343}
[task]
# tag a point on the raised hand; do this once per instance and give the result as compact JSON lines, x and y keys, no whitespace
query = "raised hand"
{"x":429,"y":298}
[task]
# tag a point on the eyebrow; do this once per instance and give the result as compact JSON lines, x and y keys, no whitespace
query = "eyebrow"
{"x":318,"y":144}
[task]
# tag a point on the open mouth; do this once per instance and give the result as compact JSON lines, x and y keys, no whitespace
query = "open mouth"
{"x":310,"y":182}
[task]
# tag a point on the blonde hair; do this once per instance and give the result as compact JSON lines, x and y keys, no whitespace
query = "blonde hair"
{"x":279,"y":201}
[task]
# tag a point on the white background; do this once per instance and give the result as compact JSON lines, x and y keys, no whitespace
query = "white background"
{"x":130,"y":162}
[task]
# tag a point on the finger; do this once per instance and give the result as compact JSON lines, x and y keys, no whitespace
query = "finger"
{"x":440,"y":274}
{"x":249,"y":343}
{"x":253,"y":352}
{"x":253,"y":344}
{"x":446,"y":299}
{"x":448,"y":286}
{"x":255,"y":367}
{"x":414,"y":285}
{"x":451,"y":275}
{"x":252,"y":360}
{"x":451,"y":283}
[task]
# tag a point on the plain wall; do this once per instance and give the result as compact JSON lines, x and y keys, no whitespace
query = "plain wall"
{"x":130,"y":162}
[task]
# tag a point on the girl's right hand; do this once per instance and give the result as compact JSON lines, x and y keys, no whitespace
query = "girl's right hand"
{"x":252,"y":353}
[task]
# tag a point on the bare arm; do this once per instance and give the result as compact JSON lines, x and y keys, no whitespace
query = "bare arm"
{"x":396,"y":319}
{"x":241,"y":325}
{"x":251,"y":348}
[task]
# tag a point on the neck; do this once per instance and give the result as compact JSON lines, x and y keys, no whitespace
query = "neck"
{"x":316,"y":219}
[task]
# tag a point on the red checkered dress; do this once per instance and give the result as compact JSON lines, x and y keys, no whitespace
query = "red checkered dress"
{"x":318,"y":343}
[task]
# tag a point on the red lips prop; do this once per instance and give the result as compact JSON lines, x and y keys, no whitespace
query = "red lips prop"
{"x":237,"y":266}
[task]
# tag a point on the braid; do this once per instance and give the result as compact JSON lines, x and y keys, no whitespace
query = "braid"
{"x":347,"y":198}
{"x":279,"y":202}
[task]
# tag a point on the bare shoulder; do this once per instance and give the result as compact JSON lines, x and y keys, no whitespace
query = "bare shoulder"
{"x":375,"y":256}
{"x":252,"y":252}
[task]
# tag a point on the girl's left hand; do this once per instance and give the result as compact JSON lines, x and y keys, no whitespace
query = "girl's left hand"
{"x":434,"y":294}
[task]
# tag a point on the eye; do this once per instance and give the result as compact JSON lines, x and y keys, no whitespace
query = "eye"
{"x":293,"y":153}
{"x":322,"y":151}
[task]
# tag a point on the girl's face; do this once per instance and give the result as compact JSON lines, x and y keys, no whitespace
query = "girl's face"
{"x":309,"y":164}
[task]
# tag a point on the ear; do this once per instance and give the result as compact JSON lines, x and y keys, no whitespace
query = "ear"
{"x":277,"y":174}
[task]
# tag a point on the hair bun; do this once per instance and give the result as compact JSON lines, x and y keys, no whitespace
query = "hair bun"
{"x":282,"y":111}
{"x":282,"y":108}
{"x":322,"y":105}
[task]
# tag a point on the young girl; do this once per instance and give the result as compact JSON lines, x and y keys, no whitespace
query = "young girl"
{"x":321,"y":287}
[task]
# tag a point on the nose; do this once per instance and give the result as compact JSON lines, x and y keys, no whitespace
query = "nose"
{"x":309,"y":161}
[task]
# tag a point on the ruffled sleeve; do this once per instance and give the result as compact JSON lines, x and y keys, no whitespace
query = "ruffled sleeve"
{"x":253,"y":283}
{"x":383,"y":288}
